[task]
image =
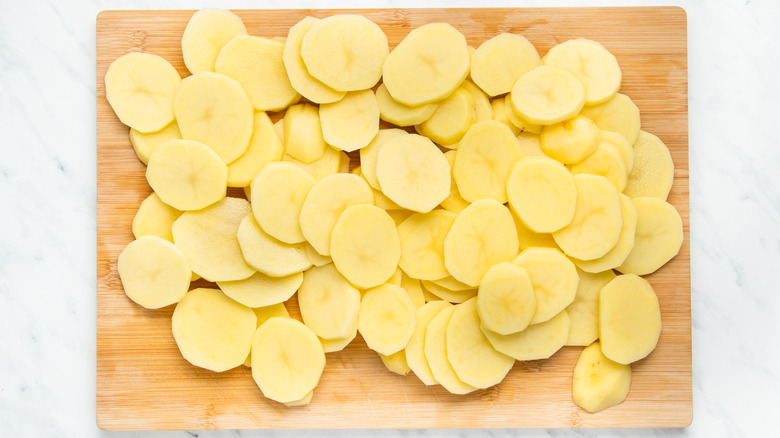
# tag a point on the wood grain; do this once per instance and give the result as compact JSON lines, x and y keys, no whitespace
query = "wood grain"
{"x":142,"y":380}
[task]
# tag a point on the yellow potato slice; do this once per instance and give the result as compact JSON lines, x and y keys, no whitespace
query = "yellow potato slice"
{"x":369,"y":154}
{"x":264,"y":147}
{"x":506,"y":301}
{"x":514,"y":119}
{"x":427,"y":65}
{"x":454,"y":202}
{"x":597,"y":221}
{"x":145,"y":144}
{"x":538,"y":341}
{"x":547,"y":95}
{"x":435,"y":349}
{"x":625,"y":148}
{"x":345,"y":52}
{"x":365,"y":246}
{"x":263,"y":314}
{"x":528,"y":238}
{"x":592,"y":64}
{"x":329,"y":304}
{"x":570,"y":141}
{"x":449,"y":295}
{"x":140,"y":89}
{"x":543,"y":194}
{"x":352,"y":122}
{"x":617,"y":255}
{"x":154,"y":272}
{"x":300,"y":78}
{"x":605,"y":161}
{"x":302,"y":402}
{"x":659,"y":236}
{"x":287,"y":359}
{"x":400,"y":114}
{"x":653,"y":171}
{"x":338,"y":344}
{"x":452,"y":284}
{"x":303,"y":133}
{"x":554,"y":279}
{"x":386,"y":319}
{"x":422,"y":244}
{"x":396,"y":362}
{"x":413,"y":172}
{"x":206,"y":33}
{"x":399,"y":216}
{"x":629,"y":319}
{"x":261,"y":290}
{"x":208,"y":238}
{"x":451,"y":119}
{"x":619,"y":114}
{"x":327,"y":165}
{"x":214,"y":110}
{"x":482,"y":235}
{"x":155,"y":218}
{"x":500,"y":61}
{"x":500,"y":114}
{"x":383,"y":202}
{"x":256,"y":63}
{"x":530,"y":145}
{"x":584,"y":310}
{"x":414,"y":289}
{"x":415,"y":354}
{"x":316,"y":258}
{"x":482,"y":108}
{"x":278,"y":193}
{"x":268,"y":255}
{"x":212,"y":331}
{"x":599,"y":383}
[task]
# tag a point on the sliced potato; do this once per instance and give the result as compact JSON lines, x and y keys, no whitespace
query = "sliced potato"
{"x":653,"y":171}
{"x":435,"y":348}
{"x":605,"y":161}
{"x":145,"y":144}
{"x":501,"y":114}
{"x":303,"y":133}
{"x":352,"y":122}
{"x":261,"y":290}
{"x":570,"y":141}
{"x":208,"y":30}
{"x":264,"y":147}
{"x":369,"y":154}
{"x":338,"y":344}
{"x":617,"y":255}
{"x":584,"y":310}
{"x":278,"y":193}
{"x":316,"y":258}
{"x":619,"y":114}
{"x":155,"y":218}
{"x":598,"y":382}
{"x":547,"y":95}
{"x":537,"y":341}
{"x":387,"y":317}
{"x":592,"y":64}
{"x":268,"y":255}
{"x":528,"y":238}
{"x":154,"y":272}
{"x":554,"y":278}
{"x":625,"y":148}
{"x":454,"y":202}
{"x":415,"y":354}
{"x":482,"y":108}
{"x":506,"y":301}
{"x":422,"y":244}
{"x":300,"y":79}
{"x":396,"y":362}
{"x":659,"y":236}
{"x":400,"y":114}
{"x":530,"y":145}
{"x":516,"y":120}
{"x":500,"y":61}
{"x":329,"y":304}
{"x":542,"y":193}
{"x":452,"y":284}
{"x":327,"y":165}
{"x":451,"y":119}
{"x":414,"y":289}
{"x":449,"y":295}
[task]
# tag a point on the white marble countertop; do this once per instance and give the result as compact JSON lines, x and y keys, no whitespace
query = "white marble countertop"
{"x":47,"y":227}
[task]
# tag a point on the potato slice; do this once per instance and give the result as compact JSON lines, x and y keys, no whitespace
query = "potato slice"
{"x":399,"y":216}
{"x":584,"y":310}
{"x":206,"y":33}
{"x":451,"y":283}
{"x":145,"y":144}
{"x":155,"y":218}
{"x":140,"y":89}
{"x":154,"y":272}
{"x":659,"y":236}
{"x":570,"y":141}
{"x":617,"y":255}
{"x":413,"y":172}
{"x":287,"y":359}
{"x":369,"y":154}
{"x":278,"y":193}
{"x":352,"y":122}
{"x":485,"y":157}
{"x":454,"y":202}
{"x":208,"y":238}
{"x":214,"y":110}
{"x":530,"y":145}
{"x":619,"y":114}
{"x":300,"y":79}
{"x":422,"y":244}
{"x":515,"y":119}
{"x":301,"y":402}
{"x":303,"y":133}
{"x":449,"y":295}
{"x":264,"y":147}
{"x":607,"y":162}
{"x":500,"y":114}
{"x":414,"y":289}
{"x":427,"y":65}
{"x":653,"y":171}
{"x":327,"y":165}
{"x":506,"y":301}
{"x":364,"y":246}
{"x":625,"y":148}
{"x":396,"y":362}
{"x":543,"y":194}
{"x":212,"y":331}
{"x":538,"y":341}
{"x":482,"y":108}
{"x":338,"y":344}
{"x":554,"y":278}
{"x":415,"y":354}
{"x":629,"y":319}
{"x":528,"y":238}
{"x":329,"y":304}
{"x":599,"y":383}
{"x":435,"y":349}
{"x":263,"y":314}
{"x":547,"y":95}
{"x":451,"y":119}
{"x":592,"y":64}
{"x":400,"y":114}
{"x":316,"y":258}
{"x":500,"y":61}
{"x":482,"y":235}
{"x":386,"y":319}
{"x":261,"y":290}
{"x":345,"y":52}
{"x":268,"y":255}
{"x":597,"y":221}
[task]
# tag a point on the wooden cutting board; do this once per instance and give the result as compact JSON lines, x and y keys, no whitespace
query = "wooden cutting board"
{"x":144,"y":383}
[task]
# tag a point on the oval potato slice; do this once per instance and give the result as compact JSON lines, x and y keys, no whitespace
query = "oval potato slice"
{"x":154,"y":272}
{"x":415,"y":354}
{"x":500,"y":61}
{"x":387,"y":317}
{"x":554,"y":278}
{"x":261,"y":290}
{"x":542,"y":193}
{"x":268,"y":255}
{"x":653,"y":171}
{"x":547,"y":95}
{"x":538,"y":341}
{"x":598,"y":382}
{"x":278,"y":193}
{"x":506,"y":301}
{"x":300,"y":79}
{"x":659,"y":236}
{"x":352,"y":122}
{"x":329,"y":304}
{"x":208,"y":30}
{"x":435,"y":348}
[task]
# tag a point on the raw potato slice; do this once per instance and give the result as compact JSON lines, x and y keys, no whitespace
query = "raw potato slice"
{"x":629,"y":319}
{"x":264,"y":147}
{"x":506,"y":301}
{"x":500,"y":61}
{"x":206,"y":33}
{"x":214,"y":110}
{"x":599,"y":383}
{"x":619,"y":114}
{"x":422,"y":244}
{"x":352,"y":122}
{"x":208,"y":238}
{"x":653,"y":171}
{"x":413,"y":172}
{"x":287,"y":359}
{"x":427,"y":65}
{"x":154,"y":272}
{"x":429,"y":297}
{"x":584,"y":310}
{"x":345,"y":52}
{"x":516,"y":120}
{"x":145,"y":144}
{"x":528,"y":238}
{"x":482,"y":235}
{"x":302,"y":402}
{"x":449,"y":295}
{"x":543,"y":194}
{"x":329,"y":304}
{"x":383,"y":202}
{"x":414,"y":289}
{"x":597,"y":221}
{"x":617,"y":255}
{"x":268,"y":255}
{"x":315,"y":258}
{"x":155,"y":218}
{"x":386,"y":320}
{"x":256,"y":63}
{"x":300,"y":78}
{"x":369,"y":154}
{"x":452,"y":118}
{"x":454,"y":202}
{"x":415,"y":354}
{"x":261,"y":290}
{"x":212,"y":331}
{"x":592,"y":64}
{"x":452,"y":284}
{"x":482,"y":108}
{"x":396,"y":362}
{"x":530,"y":145}
{"x":435,"y":349}
{"x":400,"y":114}
{"x":500,"y":111}
{"x":538,"y":341}
{"x":399,"y":216}
{"x":278,"y":193}
{"x":659,"y":236}
{"x":547,"y":95}
{"x":325,"y":202}
{"x":607,"y":162}
{"x":327,"y":165}
{"x":338,"y":344}
{"x":554,"y":278}
{"x":622,"y":145}
{"x":303,"y":133}
{"x":140,"y":89}
{"x":485,"y":156}
{"x":364,"y":246}
{"x":263,"y":314}
{"x":570,"y":141}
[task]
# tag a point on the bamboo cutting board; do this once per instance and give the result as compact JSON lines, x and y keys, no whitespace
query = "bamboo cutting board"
{"x":144,"y":383}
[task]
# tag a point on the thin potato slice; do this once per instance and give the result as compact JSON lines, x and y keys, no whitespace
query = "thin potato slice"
{"x":301,"y":402}
{"x":570,"y":141}
{"x":659,"y":236}
{"x":452,"y":284}
{"x":543,"y":194}
{"x":352,"y":122}
{"x":208,"y":30}
{"x":449,"y":295}
{"x":605,"y":161}
{"x":261,"y":290}
{"x":592,"y":64}
{"x":528,"y":238}
{"x":482,"y":108}
{"x":338,"y":344}
{"x":415,"y":354}
{"x":414,"y":289}
{"x":554,"y":278}
{"x":319,"y":169}
{"x":435,"y":348}
{"x":155,"y":218}
{"x":538,"y":341}
{"x":515,"y":119}
{"x":263,"y":314}
{"x":316,"y":258}
{"x":506,"y":301}
{"x":400,"y":114}
{"x":300,"y":79}
{"x":653,"y":171}
{"x":396,"y":362}
{"x":584,"y":310}
{"x":500,"y":61}
{"x":547,"y":95}
{"x":329,"y":304}
{"x":617,"y":255}
{"x":530,"y":144}
{"x":369,"y":154}
{"x":268,"y":255}
{"x":451,"y":119}
{"x":264,"y":147}
{"x":145,"y":144}
{"x":454,"y":202}
{"x":619,"y":114}
{"x":303,"y":133}
{"x":422,"y":244}
{"x":501,"y":114}
{"x":154,"y":272}
{"x":278,"y":193}
{"x":386,"y":320}
{"x":625,"y":148}
{"x":598,"y":382}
